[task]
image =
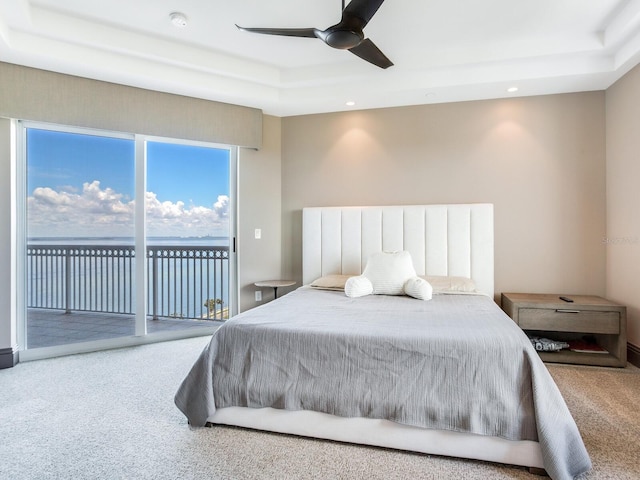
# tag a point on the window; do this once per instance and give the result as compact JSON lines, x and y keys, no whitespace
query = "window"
{"x":99,"y":266}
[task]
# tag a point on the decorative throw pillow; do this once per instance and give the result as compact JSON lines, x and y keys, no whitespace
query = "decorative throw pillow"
{"x":388,"y":272}
{"x":417,"y":287}
{"x":358,"y":287}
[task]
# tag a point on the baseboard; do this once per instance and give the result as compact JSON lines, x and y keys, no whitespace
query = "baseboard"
{"x":8,"y":357}
{"x":633,"y":355}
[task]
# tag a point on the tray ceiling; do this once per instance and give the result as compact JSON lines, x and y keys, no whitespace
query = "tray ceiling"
{"x":449,"y":51}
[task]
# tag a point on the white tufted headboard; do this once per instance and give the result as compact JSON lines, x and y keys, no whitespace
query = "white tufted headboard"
{"x":455,"y":240}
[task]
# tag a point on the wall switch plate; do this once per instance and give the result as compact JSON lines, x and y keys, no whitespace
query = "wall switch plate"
{"x":258,"y":295}
{"x":258,"y":233}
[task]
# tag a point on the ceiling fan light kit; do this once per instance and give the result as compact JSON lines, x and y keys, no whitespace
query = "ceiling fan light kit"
{"x":345,"y":35}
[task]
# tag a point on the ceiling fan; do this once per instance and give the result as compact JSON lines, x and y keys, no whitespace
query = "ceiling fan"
{"x":345,"y":35}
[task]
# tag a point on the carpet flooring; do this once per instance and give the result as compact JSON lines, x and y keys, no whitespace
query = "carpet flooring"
{"x":110,"y":415}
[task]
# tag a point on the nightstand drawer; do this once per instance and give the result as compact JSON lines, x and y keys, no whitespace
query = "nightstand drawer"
{"x":567,"y":319}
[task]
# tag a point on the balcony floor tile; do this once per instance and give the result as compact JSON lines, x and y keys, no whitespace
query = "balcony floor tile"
{"x":47,"y":328}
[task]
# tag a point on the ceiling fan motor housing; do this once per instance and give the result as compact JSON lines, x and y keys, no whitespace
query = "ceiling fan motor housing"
{"x":344,"y":39}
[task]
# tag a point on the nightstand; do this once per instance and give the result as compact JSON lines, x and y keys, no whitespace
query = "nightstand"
{"x":546,"y":315}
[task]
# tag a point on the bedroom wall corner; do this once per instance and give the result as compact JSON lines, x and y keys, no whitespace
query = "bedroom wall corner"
{"x":623,"y":200}
{"x":259,"y":207}
{"x":8,"y":325}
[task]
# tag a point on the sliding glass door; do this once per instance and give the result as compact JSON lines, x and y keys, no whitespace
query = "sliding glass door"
{"x":80,"y":236}
{"x":188,"y":232}
{"x":124,"y":237}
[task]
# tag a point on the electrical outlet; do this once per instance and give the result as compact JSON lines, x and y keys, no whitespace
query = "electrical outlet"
{"x":258,"y":295}
{"x":258,"y":234}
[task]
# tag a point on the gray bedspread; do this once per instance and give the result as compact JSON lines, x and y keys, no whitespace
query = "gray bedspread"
{"x":456,"y":362}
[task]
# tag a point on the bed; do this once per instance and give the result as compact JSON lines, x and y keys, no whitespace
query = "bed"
{"x":449,"y":376}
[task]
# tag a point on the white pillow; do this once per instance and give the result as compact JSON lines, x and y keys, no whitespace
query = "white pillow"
{"x":388,"y":272}
{"x":331,"y":282}
{"x":419,"y":288}
{"x":358,"y":287}
{"x":445,"y":284}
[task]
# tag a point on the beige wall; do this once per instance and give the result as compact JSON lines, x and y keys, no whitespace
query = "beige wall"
{"x":259,"y":206}
{"x":623,"y":198}
{"x":539,"y":160}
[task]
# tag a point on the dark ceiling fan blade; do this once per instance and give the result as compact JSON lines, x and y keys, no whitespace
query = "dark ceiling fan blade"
{"x":368,"y":51}
{"x":363,"y":9}
{"x":286,"y":32}
{"x":345,"y":35}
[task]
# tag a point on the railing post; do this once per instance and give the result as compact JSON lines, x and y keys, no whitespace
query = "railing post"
{"x":154,"y":286}
{"x":67,"y":280}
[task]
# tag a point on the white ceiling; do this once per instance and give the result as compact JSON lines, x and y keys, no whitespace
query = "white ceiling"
{"x":443,"y":50}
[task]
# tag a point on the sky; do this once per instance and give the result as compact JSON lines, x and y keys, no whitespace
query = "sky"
{"x":83,"y":185}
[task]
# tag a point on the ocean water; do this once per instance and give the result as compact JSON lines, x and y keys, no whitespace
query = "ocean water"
{"x":151,"y":241}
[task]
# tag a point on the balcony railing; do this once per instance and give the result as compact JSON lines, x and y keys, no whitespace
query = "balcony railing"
{"x":188,"y":282}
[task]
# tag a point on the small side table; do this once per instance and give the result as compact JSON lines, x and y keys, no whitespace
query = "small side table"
{"x":549,"y":315}
{"x":275,"y":284}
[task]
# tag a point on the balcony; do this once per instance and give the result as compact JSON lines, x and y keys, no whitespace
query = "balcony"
{"x":79,"y":293}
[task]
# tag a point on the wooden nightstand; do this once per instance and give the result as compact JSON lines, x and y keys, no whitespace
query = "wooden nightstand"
{"x":546,"y":315}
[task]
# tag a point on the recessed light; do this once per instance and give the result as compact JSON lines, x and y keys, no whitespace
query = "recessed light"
{"x":350,"y":103}
{"x":178,"y":19}
{"x":512,"y":89}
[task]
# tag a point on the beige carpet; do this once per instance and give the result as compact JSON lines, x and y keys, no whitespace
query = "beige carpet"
{"x":605,"y":402}
{"x":110,"y":415}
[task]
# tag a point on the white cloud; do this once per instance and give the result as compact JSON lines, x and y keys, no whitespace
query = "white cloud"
{"x":222,"y":206}
{"x":176,"y":219}
{"x":103,"y":212}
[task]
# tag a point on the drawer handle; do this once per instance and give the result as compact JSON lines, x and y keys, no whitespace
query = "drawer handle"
{"x":563,"y":310}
